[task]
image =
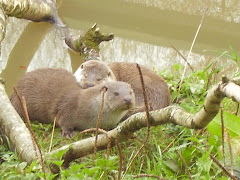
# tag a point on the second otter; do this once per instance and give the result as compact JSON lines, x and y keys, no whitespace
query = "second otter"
{"x":51,"y":93}
{"x":94,"y":72}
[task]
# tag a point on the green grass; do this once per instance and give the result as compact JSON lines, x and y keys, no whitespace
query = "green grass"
{"x":159,"y":157}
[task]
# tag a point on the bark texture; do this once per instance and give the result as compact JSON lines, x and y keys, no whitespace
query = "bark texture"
{"x":2,"y":23}
{"x":87,"y":45}
{"x":34,"y":10}
{"x":15,"y":129}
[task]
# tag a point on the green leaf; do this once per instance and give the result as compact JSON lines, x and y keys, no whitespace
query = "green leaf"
{"x":192,"y":139}
{"x":76,"y":167}
{"x":215,"y":71}
{"x":59,"y":154}
{"x":177,"y":67}
{"x":234,"y":54}
{"x":173,"y":165}
{"x":58,"y":163}
{"x":22,"y":165}
{"x":204,"y":163}
{"x":65,"y":173}
{"x":231,"y":123}
{"x":49,"y":176}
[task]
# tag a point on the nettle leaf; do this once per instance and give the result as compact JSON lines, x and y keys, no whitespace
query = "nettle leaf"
{"x":231,"y":123}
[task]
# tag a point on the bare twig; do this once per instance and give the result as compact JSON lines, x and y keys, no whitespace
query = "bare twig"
{"x":99,"y":120}
{"x":148,"y":119}
{"x":145,"y":102}
{"x":180,"y":54}
{"x":190,"y":51}
{"x":54,"y":124}
{"x":120,"y":159}
{"x":223,"y":137}
{"x":26,"y":117}
{"x":34,"y":139}
{"x":230,"y":152}
{"x":223,"y":168}
{"x":185,"y":165}
{"x":219,"y":165}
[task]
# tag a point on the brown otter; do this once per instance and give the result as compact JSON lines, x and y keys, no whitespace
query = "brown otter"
{"x":51,"y":93}
{"x":94,"y":72}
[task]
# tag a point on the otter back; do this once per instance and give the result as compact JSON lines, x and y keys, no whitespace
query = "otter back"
{"x":156,"y":88}
{"x":51,"y":93}
{"x":41,"y":89}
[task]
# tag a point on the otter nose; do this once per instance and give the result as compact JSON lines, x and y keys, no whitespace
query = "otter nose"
{"x":90,"y":85}
{"x":128,"y":100}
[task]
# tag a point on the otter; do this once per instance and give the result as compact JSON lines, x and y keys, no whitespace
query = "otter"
{"x":94,"y":72}
{"x":51,"y":93}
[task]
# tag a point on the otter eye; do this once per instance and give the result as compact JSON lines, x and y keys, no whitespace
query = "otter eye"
{"x":116,"y":93}
{"x":81,"y":66}
{"x":109,"y":73}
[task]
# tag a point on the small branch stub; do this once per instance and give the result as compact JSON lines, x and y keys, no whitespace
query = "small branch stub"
{"x":88,"y":44}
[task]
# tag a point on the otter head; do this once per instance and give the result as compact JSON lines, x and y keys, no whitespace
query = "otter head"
{"x":118,"y":100}
{"x":93,"y":72}
{"x":119,"y":96}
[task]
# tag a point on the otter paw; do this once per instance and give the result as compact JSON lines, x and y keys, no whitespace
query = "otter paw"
{"x":68,"y":133}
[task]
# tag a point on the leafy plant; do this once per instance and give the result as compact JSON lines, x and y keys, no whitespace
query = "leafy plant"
{"x":171,"y":150}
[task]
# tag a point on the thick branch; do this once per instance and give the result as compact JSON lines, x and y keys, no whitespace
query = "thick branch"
{"x":2,"y":23}
{"x":45,"y":10}
{"x":15,"y":129}
{"x":34,"y":10}
{"x":171,"y":114}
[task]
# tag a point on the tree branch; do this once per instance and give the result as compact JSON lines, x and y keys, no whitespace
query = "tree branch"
{"x":33,"y":10}
{"x":45,"y":10}
{"x":15,"y":129}
{"x":2,"y":23}
{"x":171,"y":114}
{"x":19,"y":135}
{"x":87,"y":45}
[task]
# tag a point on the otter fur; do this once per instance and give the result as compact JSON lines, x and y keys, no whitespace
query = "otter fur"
{"x":95,"y":72}
{"x":51,"y":93}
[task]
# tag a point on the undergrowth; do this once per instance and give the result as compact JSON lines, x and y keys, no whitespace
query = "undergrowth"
{"x":171,"y":150}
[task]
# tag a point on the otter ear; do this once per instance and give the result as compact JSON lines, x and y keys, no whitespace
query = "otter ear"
{"x":81,"y":66}
{"x":109,"y":73}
